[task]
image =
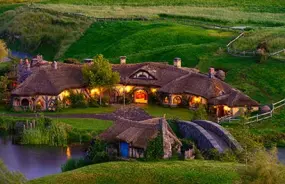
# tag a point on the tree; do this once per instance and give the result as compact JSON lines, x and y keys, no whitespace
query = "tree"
{"x":4,"y":90}
{"x":100,"y":74}
{"x":7,"y":177}
{"x":3,"y":50}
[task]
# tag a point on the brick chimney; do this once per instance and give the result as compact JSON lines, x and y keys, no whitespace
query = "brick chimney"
{"x":123,"y":60}
{"x":212,"y":72}
{"x":177,"y":62}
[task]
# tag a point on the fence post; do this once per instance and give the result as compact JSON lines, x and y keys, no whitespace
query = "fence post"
{"x":257,"y":118}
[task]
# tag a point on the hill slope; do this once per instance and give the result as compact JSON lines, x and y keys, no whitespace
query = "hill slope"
{"x":153,"y":172}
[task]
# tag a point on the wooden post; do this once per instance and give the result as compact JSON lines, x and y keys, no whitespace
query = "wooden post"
{"x":34,"y":123}
{"x":257,"y":117}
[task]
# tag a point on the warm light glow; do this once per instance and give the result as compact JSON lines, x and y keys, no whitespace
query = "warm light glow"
{"x":95,"y":91}
{"x":128,"y":89}
{"x":153,"y":90}
{"x":197,"y":100}
{"x":226,"y":108}
{"x":166,"y":101}
{"x":65,"y":93}
{"x":68,"y":153}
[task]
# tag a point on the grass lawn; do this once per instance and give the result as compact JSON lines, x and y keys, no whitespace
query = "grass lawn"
{"x":87,"y":124}
{"x":195,"y":171}
{"x":159,"y":111}
{"x":90,"y":110}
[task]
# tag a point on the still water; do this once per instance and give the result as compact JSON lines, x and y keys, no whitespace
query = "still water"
{"x":36,"y":161}
{"x":39,"y":161}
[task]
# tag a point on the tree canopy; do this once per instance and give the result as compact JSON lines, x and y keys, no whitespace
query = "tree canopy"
{"x":100,"y":73}
{"x":3,"y":50}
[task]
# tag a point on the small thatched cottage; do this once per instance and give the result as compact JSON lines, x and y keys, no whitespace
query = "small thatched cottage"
{"x":130,"y":138}
{"x":44,"y":83}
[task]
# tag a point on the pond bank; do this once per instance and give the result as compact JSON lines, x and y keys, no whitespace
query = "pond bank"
{"x":37,"y":161}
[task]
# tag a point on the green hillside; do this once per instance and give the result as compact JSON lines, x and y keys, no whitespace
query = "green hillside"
{"x":147,"y":41}
{"x":152,"y":172}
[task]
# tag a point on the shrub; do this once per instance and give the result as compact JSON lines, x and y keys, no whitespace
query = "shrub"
{"x":97,"y":152}
{"x":93,"y":102}
{"x":154,"y":150}
{"x":77,"y":100}
{"x":72,"y":164}
{"x":200,"y":113}
{"x":264,"y":168}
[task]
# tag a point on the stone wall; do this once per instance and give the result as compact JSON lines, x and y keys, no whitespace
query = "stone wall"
{"x":221,"y":132}
{"x":202,"y":138}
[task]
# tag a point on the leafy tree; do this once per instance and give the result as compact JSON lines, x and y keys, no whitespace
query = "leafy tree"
{"x":7,"y":177}
{"x":3,"y":50}
{"x":4,"y":90}
{"x":100,"y":75}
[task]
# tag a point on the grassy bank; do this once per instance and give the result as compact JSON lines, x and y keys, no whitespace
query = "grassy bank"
{"x":158,"y":172}
{"x":145,"y":41}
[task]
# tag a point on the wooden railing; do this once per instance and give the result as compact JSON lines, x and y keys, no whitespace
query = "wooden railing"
{"x":255,"y":118}
{"x":243,"y":53}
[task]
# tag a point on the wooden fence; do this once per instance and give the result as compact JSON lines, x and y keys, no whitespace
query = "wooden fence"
{"x":243,"y":53}
{"x":256,"y":118}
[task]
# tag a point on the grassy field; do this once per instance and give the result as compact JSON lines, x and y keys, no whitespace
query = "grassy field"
{"x":274,"y":37}
{"x":157,"y":172}
{"x":146,"y":41}
{"x":87,"y":124}
{"x":229,"y":15}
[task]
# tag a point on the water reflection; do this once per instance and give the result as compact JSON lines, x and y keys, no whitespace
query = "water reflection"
{"x":36,"y":161}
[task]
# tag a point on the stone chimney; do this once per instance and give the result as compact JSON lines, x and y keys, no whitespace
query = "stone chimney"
{"x":177,"y":62}
{"x":123,"y":60}
{"x":212,"y":72}
{"x":54,"y":65}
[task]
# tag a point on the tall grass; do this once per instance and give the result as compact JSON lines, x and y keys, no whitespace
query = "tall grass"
{"x":209,"y":14}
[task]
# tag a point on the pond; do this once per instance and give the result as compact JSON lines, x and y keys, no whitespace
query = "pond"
{"x":36,"y":161}
{"x":281,"y":155}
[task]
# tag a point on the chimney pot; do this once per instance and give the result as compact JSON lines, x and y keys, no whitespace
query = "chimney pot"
{"x":212,"y":72}
{"x":177,"y":62}
{"x":123,"y":60}
{"x":54,"y":65}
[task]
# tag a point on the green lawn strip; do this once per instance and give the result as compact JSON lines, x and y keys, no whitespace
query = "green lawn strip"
{"x":86,"y":124}
{"x":6,"y":7}
{"x":194,"y":171}
{"x":89,"y":110}
{"x":170,"y":113}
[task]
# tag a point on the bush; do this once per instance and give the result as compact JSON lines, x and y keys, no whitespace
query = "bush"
{"x":77,"y":100}
{"x":264,"y":168}
{"x":93,"y":102}
{"x":72,"y":164}
{"x":200,"y":113}
{"x":97,"y":152}
{"x":154,"y":150}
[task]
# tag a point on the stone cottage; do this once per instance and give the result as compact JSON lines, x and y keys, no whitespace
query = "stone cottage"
{"x":130,"y":138}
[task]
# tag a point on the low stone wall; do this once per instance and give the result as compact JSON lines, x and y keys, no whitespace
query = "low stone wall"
{"x":202,"y":138}
{"x":221,"y":132}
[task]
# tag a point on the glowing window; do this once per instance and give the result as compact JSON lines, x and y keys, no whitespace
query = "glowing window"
{"x":177,"y":100}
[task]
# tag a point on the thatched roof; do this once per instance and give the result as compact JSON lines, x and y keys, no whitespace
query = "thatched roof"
{"x":213,"y":89}
{"x":50,"y":81}
{"x":138,"y":133}
{"x":234,"y":99}
{"x":45,"y":80}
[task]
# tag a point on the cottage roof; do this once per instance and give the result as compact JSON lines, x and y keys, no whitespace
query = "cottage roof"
{"x":138,"y":133}
{"x":50,"y":81}
{"x":45,"y":80}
